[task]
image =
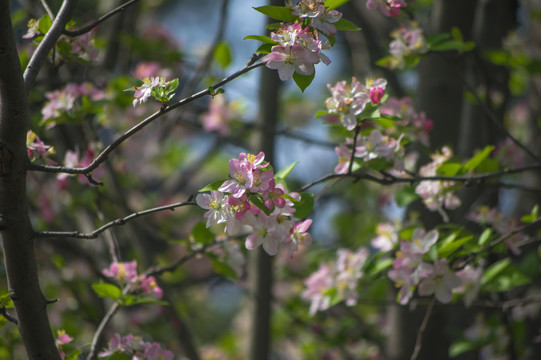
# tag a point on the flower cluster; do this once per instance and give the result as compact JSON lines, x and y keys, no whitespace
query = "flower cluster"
{"x":136,"y":348}
{"x":36,"y":148}
{"x":157,"y":87}
{"x":297,"y":45}
{"x":251,"y":197}
{"x":408,"y":42}
{"x":389,"y":8}
{"x":347,"y":101}
{"x":126,"y":273}
{"x":437,"y":194}
{"x":336,"y":281}
{"x":66,"y":100}
{"x":320,"y":16}
{"x":409,"y":270}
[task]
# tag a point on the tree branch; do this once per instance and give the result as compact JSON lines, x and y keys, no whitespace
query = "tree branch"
{"x":164,"y":110}
{"x":89,"y":27}
{"x":48,"y":42}
{"x":97,"y":335}
{"x":421,"y":331}
{"x":94,"y":234}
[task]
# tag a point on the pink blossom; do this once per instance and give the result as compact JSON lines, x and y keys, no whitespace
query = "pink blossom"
{"x":389,"y":8}
{"x":441,"y":282}
{"x":255,"y":161}
{"x":290,"y":59}
{"x":122,"y":271}
{"x":347,"y":101}
{"x":471,"y":282}
{"x":299,"y":235}
{"x":145,"y":69}
{"x":239,"y":205}
{"x":217,"y":206}
{"x":317,"y":289}
{"x":387,"y":237}
{"x":263,"y":234}
{"x":150,"y":286}
{"x":37,"y":148}
{"x":273,"y":196}
{"x":143,"y":92}
{"x":219,"y":116}
{"x":242,"y":178}
{"x":407,"y":41}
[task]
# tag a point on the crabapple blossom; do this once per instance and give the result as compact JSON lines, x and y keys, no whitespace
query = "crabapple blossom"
{"x":150,"y":286}
{"x":318,"y":285}
{"x":321,"y":17}
{"x":299,"y":235}
{"x":220,"y":115}
{"x":346,"y":102}
{"x":62,"y":339}
{"x":440,"y":281}
{"x":136,"y":347}
{"x":270,"y":220}
{"x":122,"y":271}
{"x":290,"y":59}
{"x":415,"y":125}
{"x":37,"y":148}
{"x":143,"y":92}
{"x":387,"y":237}
{"x":389,"y":8}
{"x":437,"y":194}
{"x":217,"y":206}
{"x":471,"y":282}
{"x":340,"y":277}
{"x":407,"y":41}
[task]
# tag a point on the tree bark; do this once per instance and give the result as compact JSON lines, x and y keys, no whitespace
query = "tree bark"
{"x":16,"y":230}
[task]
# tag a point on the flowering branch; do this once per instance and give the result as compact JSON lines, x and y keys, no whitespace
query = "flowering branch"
{"x":389,"y":179}
{"x":89,"y":27}
{"x":422,"y":328}
{"x":97,"y":335}
{"x":49,"y":41}
{"x":163,"y":110}
{"x":94,"y":234}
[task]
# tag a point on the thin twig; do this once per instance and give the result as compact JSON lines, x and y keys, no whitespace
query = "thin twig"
{"x":94,"y":234}
{"x":421,"y":330}
{"x":47,"y":9}
{"x":389,"y":179}
{"x":163,"y":110}
{"x":48,"y":42}
{"x":89,"y":27}
{"x":8,"y":317}
{"x":352,"y":159}
{"x":99,"y":331}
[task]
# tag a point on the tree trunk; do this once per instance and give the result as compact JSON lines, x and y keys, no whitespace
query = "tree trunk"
{"x":16,"y":230}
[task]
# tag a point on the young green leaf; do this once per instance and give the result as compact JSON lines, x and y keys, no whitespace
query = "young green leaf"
{"x":277,"y":12}
{"x":222,"y":55}
{"x":282,"y":174}
{"x":213,"y":186}
{"x":202,"y":235}
{"x":263,"y":39}
{"x":303,"y":81}
{"x":304,"y":207}
{"x":478,"y":158}
{"x":106,"y":290}
{"x":346,"y":25}
{"x":333,"y":4}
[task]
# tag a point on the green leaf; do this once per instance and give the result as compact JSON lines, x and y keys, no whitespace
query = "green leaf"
{"x":381,"y":265}
{"x":222,"y":54}
{"x":277,"y":12}
{"x":333,"y":4}
{"x":44,"y":24}
{"x":449,"y":45}
{"x":460,"y":347}
{"x":437,"y":38}
{"x":74,"y":355}
{"x":494,"y":270}
{"x":3,"y":321}
{"x":132,"y":300}
{"x":321,"y":113}
{"x":264,"y":49}
{"x":171,"y":86}
{"x":106,"y":290}
{"x":532,"y":216}
{"x":484,"y":237}
{"x":264,"y":39}
{"x":451,"y":246}
{"x":449,"y":169}
{"x":390,"y":117}
{"x":456,"y":34}
{"x":202,"y":235}
{"x":304,"y":207}
{"x":282,"y":174}
{"x":213,"y":186}
{"x":117,"y":356}
{"x":346,"y":25}
{"x":303,"y":81}
{"x":5,"y":301}
{"x":405,"y":196}
{"x":478,"y":158}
